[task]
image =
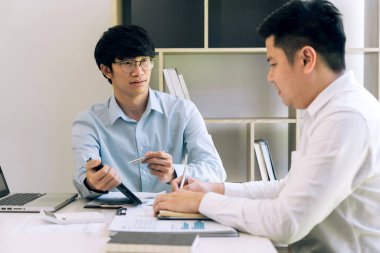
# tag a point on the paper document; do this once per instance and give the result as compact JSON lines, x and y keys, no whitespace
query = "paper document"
{"x":35,"y":225}
{"x":151,"y":224}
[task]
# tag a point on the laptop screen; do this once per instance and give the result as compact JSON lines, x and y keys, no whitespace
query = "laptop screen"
{"x":4,"y":190}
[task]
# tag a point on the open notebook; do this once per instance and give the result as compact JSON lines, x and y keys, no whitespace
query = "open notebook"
{"x":170,"y":215}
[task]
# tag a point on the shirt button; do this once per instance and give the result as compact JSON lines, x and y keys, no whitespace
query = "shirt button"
{"x":141,"y":148}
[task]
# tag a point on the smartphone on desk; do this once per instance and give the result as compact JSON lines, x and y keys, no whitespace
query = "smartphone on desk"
{"x":132,"y":198}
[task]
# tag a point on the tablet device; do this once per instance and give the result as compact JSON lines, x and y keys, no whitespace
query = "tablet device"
{"x":131,"y":198}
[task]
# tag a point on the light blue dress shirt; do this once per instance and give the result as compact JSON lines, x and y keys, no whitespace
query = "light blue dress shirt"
{"x":168,"y":124}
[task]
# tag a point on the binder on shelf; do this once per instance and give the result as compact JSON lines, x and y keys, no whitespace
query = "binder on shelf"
{"x":184,"y":87}
{"x":175,"y":83}
{"x":260,"y":161}
{"x":264,"y":159}
{"x":268,"y":160}
{"x":168,"y":82}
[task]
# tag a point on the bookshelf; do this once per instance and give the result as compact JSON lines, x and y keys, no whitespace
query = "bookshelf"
{"x":226,"y":74}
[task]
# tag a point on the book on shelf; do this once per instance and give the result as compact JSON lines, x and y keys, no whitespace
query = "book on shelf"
{"x":268,"y":160}
{"x":184,"y":87}
{"x":171,"y":215}
{"x":264,"y":160}
{"x":175,"y":83}
{"x":168,"y":82}
{"x":153,"y":242}
{"x":260,"y":161}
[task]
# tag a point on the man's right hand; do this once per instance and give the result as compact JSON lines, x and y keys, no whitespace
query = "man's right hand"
{"x":196,"y":185}
{"x":102,"y":180}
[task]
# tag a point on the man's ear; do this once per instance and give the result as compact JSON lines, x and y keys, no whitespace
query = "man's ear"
{"x":309,"y":58}
{"x":106,"y":71}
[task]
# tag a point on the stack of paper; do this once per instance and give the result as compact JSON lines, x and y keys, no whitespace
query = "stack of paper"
{"x":205,"y":228}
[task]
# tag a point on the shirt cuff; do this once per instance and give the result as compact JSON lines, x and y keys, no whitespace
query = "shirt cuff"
{"x":210,"y":203}
{"x":233,"y":189}
{"x":92,"y":190}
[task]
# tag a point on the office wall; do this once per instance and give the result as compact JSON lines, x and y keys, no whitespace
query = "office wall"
{"x":47,"y":76}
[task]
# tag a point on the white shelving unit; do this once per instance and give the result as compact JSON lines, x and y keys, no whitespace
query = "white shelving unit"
{"x":228,"y":85}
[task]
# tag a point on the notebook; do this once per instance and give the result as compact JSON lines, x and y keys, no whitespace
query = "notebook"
{"x":153,"y":242}
{"x":171,"y":215}
{"x":31,"y":202}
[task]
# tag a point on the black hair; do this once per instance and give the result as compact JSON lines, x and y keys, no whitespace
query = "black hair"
{"x":122,"y":42}
{"x":315,"y":23}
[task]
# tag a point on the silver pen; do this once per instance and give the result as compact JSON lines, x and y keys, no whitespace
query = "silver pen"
{"x":138,"y":159}
{"x":184,"y":176}
{"x":141,"y":158}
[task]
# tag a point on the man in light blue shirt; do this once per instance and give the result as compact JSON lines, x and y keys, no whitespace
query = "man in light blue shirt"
{"x":138,"y":122}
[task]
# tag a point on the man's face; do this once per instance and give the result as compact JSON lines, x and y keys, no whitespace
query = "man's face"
{"x":129,"y":76}
{"x":286,"y":77}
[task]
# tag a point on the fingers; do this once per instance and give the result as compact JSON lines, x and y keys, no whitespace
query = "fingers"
{"x":160,"y":158}
{"x":160,"y":164}
{"x":92,"y":164}
{"x":175,"y":183}
{"x":110,"y":180}
{"x":182,"y":201}
{"x":164,"y":202}
{"x":103,"y":179}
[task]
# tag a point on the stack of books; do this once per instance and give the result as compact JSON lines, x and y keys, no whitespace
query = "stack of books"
{"x":153,"y":242}
{"x":176,"y":84}
{"x":264,"y":160}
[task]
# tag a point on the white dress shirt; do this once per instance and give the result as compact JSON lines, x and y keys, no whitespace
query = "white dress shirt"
{"x":330,"y":200}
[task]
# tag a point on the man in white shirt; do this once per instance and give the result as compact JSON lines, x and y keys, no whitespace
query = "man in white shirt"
{"x":330,"y":200}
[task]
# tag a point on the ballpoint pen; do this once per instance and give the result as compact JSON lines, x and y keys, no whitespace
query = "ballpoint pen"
{"x":138,"y":159}
{"x":141,"y":158}
{"x":184,"y":176}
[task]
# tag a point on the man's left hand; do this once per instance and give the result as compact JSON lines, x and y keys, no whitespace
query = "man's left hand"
{"x":160,"y":164}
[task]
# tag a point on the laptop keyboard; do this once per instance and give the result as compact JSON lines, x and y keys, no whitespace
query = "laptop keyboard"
{"x":19,"y":199}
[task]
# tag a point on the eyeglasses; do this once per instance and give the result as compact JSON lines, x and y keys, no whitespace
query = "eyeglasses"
{"x":128,"y":66}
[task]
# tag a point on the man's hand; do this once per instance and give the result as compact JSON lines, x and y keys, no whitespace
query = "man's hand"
{"x":102,"y":180}
{"x":160,"y":164}
{"x":180,"y":201}
{"x":195,"y":185}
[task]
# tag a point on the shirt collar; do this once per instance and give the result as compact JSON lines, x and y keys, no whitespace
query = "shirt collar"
{"x":334,"y":88}
{"x":115,"y":111}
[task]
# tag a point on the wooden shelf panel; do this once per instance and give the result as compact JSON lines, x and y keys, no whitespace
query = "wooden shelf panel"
{"x":249,"y":120}
{"x":210,"y":50}
{"x":260,"y":50}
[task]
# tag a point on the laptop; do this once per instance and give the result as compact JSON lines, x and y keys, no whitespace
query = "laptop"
{"x":31,"y":202}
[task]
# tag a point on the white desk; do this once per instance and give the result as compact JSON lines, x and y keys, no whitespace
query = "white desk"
{"x":11,"y":242}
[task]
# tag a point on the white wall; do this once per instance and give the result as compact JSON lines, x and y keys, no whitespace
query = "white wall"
{"x":353,"y":21}
{"x":47,"y":76}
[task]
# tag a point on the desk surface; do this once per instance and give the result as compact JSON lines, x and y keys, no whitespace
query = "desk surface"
{"x":12,"y":242}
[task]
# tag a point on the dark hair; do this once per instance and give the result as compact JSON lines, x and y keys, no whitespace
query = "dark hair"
{"x":121,"y":42}
{"x":316,"y":23}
